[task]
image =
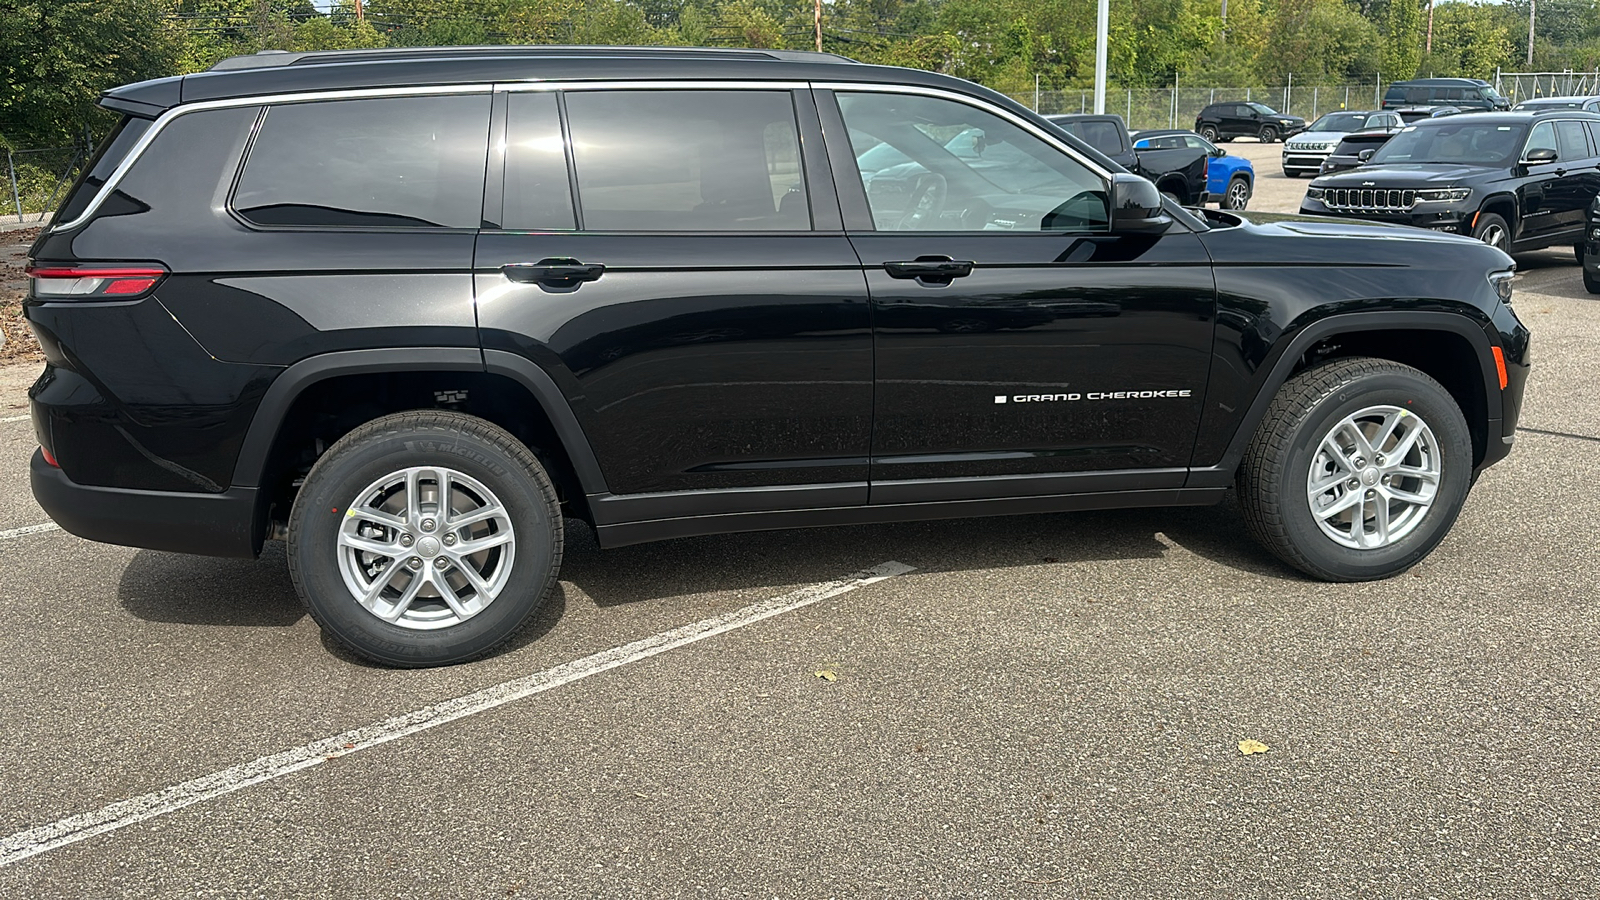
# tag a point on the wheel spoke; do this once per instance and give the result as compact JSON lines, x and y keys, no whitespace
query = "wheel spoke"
{"x":1350,"y":499}
{"x":1319,"y":488}
{"x":377,"y":517}
{"x":467,"y":548}
{"x":1337,"y":452}
{"x":1386,"y":430}
{"x":472,"y":517}
{"x":442,"y":584}
{"x":1411,"y":497}
{"x":1427,"y":475}
{"x":376,"y":586}
{"x":1363,"y":446}
{"x":1407,"y":441}
{"x":356,"y":542}
{"x":404,"y":602}
{"x":481,"y":587}
{"x":1380,"y":521}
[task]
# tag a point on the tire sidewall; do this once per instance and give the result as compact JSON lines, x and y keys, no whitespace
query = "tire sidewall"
{"x":1436,"y":408}
{"x":1209,"y":133}
{"x":1228,"y":193}
{"x":1488,"y":219}
{"x":320,"y":510}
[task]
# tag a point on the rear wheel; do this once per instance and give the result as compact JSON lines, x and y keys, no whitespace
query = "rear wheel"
{"x":1591,"y":282}
{"x":1577,"y":251}
{"x":1209,"y":132}
{"x":1237,"y":196}
{"x":1358,"y":470}
{"x":1493,"y":230}
{"x":425,"y":538}
{"x":1269,"y":134}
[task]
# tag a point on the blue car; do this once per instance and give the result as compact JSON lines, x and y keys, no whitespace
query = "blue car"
{"x":1229,"y":179}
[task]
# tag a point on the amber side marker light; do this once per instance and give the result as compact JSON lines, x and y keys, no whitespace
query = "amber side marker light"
{"x":97,"y":282}
{"x":1500,"y":365}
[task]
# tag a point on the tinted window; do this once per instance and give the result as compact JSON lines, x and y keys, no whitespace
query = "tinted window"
{"x":395,"y":161}
{"x":1452,"y":94}
{"x":1543,"y":138}
{"x":1014,"y":182}
{"x":1103,"y":136}
{"x":1574,"y":142}
{"x":538,"y":195}
{"x":1341,"y":121}
{"x":1418,"y":95}
{"x":112,"y":151}
{"x":1450,"y":142}
{"x":687,"y":161}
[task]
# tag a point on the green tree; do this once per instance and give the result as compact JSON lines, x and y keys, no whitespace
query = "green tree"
{"x":1402,"y":39}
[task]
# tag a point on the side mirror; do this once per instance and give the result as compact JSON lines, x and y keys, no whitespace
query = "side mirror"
{"x":1541,"y":155}
{"x":1366,"y":154}
{"x":1218,"y":152}
{"x":1136,"y":206}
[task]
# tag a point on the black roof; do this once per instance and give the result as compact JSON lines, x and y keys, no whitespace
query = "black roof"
{"x":1510,"y":116}
{"x":276,"y":72}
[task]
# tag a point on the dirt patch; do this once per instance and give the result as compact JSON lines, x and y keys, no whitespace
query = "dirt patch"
{"x":21,"y":347}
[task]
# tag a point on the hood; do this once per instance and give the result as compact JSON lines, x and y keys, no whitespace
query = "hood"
{"x":1329,"y":227}
{"x":1403,"y":175}
{"x":1290,"y":120}
{"x":1322,"y":137}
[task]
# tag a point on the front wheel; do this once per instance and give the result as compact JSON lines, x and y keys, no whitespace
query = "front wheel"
{"x":425,"y":538}
{"x":1493,"y":230}
{"x":1237,"y":196}
{"x":1269,"y":135}
{"x":1358,"y":470}
{"x":1591,"y":282}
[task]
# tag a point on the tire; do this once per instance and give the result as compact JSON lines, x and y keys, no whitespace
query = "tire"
{"x":1269,"y":135}
{"x":1591,"y":282}
{"x":1237,"y":194}
{"x":372,"y":469}
{"x":1493,"y":230}
{"x":1290,"y":173}
{"x":1209,"y":132}
{"x":1286,"y":461}
{"x":1577,"y":252}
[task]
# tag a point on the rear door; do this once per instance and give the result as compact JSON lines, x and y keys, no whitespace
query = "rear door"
{"x":689,"y":286}
{"x":1021,"y":348}
{"x":1577,"y":180}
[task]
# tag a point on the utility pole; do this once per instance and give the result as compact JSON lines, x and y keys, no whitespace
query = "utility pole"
{"x":1102,"y":25}
{"x":1428,"y":47}
{"x":1224,"y":38}
{"x":1532,"y":7}
{"x":359,"y":15}
{"x":817,"y":17}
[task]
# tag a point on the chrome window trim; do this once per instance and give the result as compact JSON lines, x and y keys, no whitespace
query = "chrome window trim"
{"x":167,"y":117}
{"x":1024,"y":124}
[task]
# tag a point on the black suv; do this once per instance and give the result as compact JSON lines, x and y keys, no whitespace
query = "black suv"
{"x":1463,"y":93}
{"x":407,"y":310}
{"x":1517,"y":180}
{"x":1226,"y":121}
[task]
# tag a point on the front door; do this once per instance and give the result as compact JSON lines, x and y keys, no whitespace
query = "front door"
{"x":1020,"y":347}
{"x":699,"y":305}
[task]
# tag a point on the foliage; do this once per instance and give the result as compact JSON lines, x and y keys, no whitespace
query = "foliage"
{"x":57,"y":55}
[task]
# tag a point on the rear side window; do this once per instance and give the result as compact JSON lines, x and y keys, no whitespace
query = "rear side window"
{"x":687,"y":161}
{"x":1574,"y":140}
{"x":411,"y":162}
{"x":113,"y":150}
{"x":1103,"y":136}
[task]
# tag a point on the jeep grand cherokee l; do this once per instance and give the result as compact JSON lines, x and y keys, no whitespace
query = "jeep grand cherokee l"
{"x":407,"y":310}
{"x":1516,"y":180}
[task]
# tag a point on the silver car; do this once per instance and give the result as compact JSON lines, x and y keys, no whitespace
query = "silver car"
{"x":1303,"y":154}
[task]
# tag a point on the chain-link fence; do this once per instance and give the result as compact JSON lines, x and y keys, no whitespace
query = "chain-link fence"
{"x":1177,"y":107}
{"x":1520,"y":86}
{"x":34,"y":181}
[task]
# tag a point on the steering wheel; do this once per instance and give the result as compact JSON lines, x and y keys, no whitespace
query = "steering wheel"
{"x":927,"y":201}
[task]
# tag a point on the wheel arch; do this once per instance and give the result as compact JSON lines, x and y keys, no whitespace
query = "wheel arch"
{"x":1502,"y":205}
{"x":1464,"y":366}
{"x":496,"y":386}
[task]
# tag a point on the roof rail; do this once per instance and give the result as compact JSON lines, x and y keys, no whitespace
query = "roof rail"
{"x":267,"y":59}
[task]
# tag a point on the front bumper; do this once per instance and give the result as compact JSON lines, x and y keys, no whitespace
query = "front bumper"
{"x":207,"y":524}
{"x":1434,"y":217}
{"x":1305,"y":160}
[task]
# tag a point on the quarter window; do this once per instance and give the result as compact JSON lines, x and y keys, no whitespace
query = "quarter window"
{"x":929,"y":164}
{"x":687,"y":161}
{"x":410,"y":162}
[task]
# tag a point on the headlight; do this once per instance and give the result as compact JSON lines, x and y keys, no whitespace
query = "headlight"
{"x":1314,"y":193}
{"x":1501,"y":282}
{"x":1450,"y":195}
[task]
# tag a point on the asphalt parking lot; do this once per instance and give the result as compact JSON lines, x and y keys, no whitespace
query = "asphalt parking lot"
{"x":1043,"y":706}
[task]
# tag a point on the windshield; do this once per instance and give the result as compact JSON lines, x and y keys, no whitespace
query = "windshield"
{"x":1340,"y":121}
{"x":1262,"y":108}
{"x":1490,"y":92}
{"x":1454,"y":142}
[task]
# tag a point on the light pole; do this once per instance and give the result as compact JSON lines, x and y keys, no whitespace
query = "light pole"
{"x":1533,"y":6}
{"x":1102,"y":24}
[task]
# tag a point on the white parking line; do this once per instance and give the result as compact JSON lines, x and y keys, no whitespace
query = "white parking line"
{"x":21,"y":418}
{"x":72,"y":829}
{"x":25,"y":530}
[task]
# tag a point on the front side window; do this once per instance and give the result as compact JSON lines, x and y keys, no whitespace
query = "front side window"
{"x":408,"y":162}
{"x":954,"y":167}
{"x":1262,"y":108}
{"x":687,"y":161}
{"x":1542,"y":138}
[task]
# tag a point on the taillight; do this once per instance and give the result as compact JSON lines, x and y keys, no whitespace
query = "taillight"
{"x":93,"y":282}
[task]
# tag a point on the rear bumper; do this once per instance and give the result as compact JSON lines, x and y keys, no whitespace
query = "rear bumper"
{"x":207,"y":524}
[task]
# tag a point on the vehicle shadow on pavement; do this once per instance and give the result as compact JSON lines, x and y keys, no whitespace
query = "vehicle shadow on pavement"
{"x":775,"y":559}
{"x":203,"y":590}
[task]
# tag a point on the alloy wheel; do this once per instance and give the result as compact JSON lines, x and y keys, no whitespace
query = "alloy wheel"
{"x":1374,"y":477}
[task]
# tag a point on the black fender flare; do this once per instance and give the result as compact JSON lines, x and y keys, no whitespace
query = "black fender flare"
{"x":294,"y":380}
{"x":1221,"y":474}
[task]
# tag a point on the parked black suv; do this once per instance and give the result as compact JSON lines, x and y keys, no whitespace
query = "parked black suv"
{"x":1517,"y":180}
{"x":1179,"y":172}
{"x":406,"y":310}
{"x":1464,"y":93}
{"x":1226,"y":121}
